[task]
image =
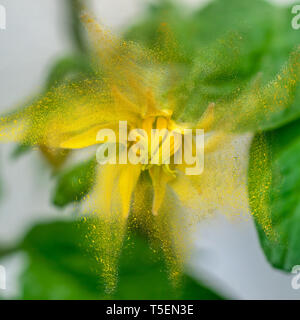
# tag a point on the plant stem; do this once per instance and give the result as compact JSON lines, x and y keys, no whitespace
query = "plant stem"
{"x":75,"y":8}
{"x":7,"y":251}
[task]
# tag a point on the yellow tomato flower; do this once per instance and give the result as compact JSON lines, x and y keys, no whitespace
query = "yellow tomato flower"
{"x":133,"y":86}
{"x":130,"y":88}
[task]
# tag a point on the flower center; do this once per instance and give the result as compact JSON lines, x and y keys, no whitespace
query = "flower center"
{"x":161,"y":141}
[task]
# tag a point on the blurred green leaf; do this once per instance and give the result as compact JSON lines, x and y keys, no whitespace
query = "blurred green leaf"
{"x":251,"y":20}
{"x":241,"y":40}
{"x":73,"y":67}
{"x":163,"y":23}
{"x":20,"y":150}
{"x":60,"y":267}
{"x":74,"y":184}
{"x":274,"y":186}
{"x":229,"y":43}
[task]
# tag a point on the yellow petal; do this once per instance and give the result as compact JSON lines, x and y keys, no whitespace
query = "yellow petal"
{"x":107,"y":228}
{"x":127,"y":182}
{"x":207,"y":118}
{"x":131,"y":69}
{"x":143,"y":198}
{"x":185,"y":190}
{"x":214,"y":141}
{"x":87,"y":137}
{"x":68,"y":116}
{"x":159,"y":182}
{"x":222,"y":186}
{"x":172,"y":229}
{"x":102,"y":196}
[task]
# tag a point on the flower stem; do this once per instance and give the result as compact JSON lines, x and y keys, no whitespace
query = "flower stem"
{"x":75,"y":9}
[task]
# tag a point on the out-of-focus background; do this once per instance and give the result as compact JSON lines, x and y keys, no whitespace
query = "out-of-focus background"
{"x":226,"y":256}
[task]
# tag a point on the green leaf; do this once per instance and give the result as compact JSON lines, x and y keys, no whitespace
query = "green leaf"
{"x":71,"y":68}
{"x":153,"y":31}
{"x":60,"y":267}
{"x":20,"y":150}
{"x":241,"y":40}
{"x":74,"y":184}
{"x":274,"y":185}
{"x":229,"y":43}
